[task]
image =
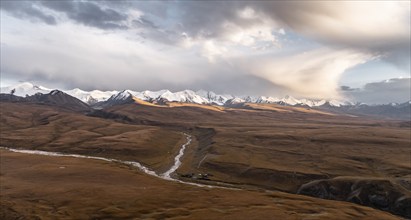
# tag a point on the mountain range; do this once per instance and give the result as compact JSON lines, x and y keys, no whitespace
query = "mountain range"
{"x":103,"y":99}
{"x":186,"y":96}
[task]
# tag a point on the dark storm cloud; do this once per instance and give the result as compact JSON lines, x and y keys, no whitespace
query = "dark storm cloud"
{"x":27,"y":10}
{"x":89,"y":13}
{"x":93,"y":14}
{"x":393,"y":90}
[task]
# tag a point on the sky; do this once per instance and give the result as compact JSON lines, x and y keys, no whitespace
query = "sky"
{"x":352,"y":50}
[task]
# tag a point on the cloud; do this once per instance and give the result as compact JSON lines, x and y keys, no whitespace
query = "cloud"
{"x":210,"y":50}
{"x":27,"y":10}
{"x":378,"y":27}
{"x":387,"y":91}
{"x":81,"y":57}
{"x":381,"y":28}
{"x":312,"y":74}
{"x":351,"y":31}
{"x":296,"y":47}
{"x":89,"y":13}
{"x":368,"y":30}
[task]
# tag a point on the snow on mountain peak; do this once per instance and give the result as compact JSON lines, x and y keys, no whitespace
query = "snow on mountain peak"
{"x":92,"y":96}
{"x":214,"y":98}
{"x":236,"y":100}
{"x":183,"y":96}
{"x":265,"y":99}
{"x":123,"y":95}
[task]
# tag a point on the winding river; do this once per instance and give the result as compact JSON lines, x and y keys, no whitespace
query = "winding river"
{"x":166,"y":175}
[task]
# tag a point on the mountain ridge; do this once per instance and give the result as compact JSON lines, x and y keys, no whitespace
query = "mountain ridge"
{"x":102,"y":99}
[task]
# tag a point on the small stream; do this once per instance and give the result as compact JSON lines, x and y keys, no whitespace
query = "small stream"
{"x":177,"y":161}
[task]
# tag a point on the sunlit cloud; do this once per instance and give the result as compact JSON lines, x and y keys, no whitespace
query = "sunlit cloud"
{"x":312,"y":74}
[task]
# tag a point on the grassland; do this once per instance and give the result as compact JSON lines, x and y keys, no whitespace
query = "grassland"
{"x":259,"y":149}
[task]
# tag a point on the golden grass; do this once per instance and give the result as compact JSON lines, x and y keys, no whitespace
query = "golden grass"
{"x":288,"y":109}
{"x":208,"y":107}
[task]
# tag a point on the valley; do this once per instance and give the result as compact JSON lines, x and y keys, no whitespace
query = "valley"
{"x":259,"y":148}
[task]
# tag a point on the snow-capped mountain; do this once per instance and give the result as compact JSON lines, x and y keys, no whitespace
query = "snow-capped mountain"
{"x":214,"y":98}
{"x":235,"y":101}
{"x":164,"y":96}
{"x":28,"y":89}
{"x":159,"y":97}
{"x":148,"y":95}
{"x":123,"y":97}
{"x":265,"y":99}
{"x":103,"y":99}
{"x":91,"y":97}
{"x":208,"y":97}
{"x":182,"y":96}
{"x":25,"y":89}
